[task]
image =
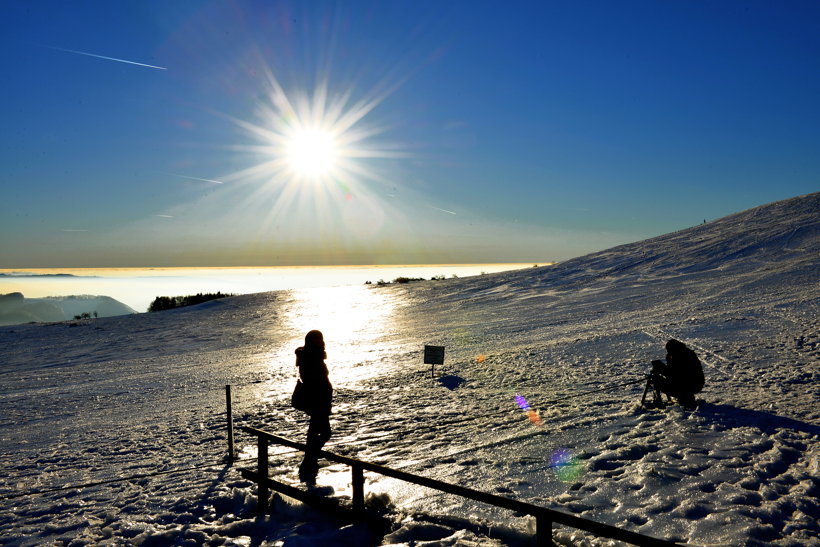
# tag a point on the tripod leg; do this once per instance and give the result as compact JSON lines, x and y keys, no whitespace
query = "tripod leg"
{"x":659,"y":398}
{"x":646,"y":390}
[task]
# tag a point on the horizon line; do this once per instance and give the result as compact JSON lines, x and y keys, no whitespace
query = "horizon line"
{"x":23,"y":269}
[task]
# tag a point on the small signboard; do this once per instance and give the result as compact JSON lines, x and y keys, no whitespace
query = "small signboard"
{"x":433,"y":355}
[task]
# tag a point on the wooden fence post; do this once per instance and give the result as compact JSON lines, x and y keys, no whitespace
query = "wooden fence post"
{"x":543,"y":531}
{"x":231,"y":452}
{"x":262,"y":470}
{"x":358,"y":487}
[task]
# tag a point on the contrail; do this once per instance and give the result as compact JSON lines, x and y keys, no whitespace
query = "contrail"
{"x":442,"y":210}
{"x":108,"y":58}
{"x":197,"y":178}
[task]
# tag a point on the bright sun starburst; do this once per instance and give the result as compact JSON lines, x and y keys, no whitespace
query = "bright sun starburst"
{"x":312,"y":152}
{"x":315,"y":166}
{"x":319,"y":138}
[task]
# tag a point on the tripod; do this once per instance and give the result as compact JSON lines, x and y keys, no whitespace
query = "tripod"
{"x":657,"y":399}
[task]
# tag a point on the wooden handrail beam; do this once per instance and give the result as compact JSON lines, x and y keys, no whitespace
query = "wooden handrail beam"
{"x":542,"y":514}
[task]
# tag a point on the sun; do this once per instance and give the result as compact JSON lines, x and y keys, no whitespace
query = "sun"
{"x":318,"y":149}
{"x":312,"y":153}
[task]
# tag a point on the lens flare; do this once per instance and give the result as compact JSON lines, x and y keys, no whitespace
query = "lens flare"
{"x":566,"y":465}
{"x":531,"y":414}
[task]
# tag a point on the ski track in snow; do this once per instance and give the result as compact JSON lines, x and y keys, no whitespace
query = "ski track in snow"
{"x":90,"y":401}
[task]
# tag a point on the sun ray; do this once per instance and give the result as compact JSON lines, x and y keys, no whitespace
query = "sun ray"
{"x":313,"y":169}
{"x":315,"y":138}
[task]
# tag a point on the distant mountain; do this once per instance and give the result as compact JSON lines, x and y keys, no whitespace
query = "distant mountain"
{"x":29,"y":274}
{"x":16,"y":309}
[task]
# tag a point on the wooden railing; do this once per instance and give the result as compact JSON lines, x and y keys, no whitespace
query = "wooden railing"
{"x":544,"y":517}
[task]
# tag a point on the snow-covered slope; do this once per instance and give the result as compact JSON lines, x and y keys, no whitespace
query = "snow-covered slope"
{"x":142,"y":394}
{"x":773,"y":240}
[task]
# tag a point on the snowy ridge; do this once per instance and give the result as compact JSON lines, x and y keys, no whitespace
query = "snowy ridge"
{"x":132,"y":395}
{"x":785,"y":234}
{"x":16,"y":309}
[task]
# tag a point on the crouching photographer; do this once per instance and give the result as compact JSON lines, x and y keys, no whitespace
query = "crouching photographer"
{"x":681,"y":376}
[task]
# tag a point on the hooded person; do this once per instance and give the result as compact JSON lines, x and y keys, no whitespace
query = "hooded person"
{"x":682,"y":374}
{"x":318,"y":392}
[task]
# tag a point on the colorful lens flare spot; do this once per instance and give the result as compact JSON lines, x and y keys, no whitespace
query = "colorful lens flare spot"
{"x":531,"y":414}
{"x":535,"y":418}
{"x":566,"y":466}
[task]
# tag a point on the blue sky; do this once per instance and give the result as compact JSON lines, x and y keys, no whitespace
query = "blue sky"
{"x":478,"y":131}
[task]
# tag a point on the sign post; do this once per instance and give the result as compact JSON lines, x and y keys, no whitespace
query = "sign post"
{"x":433,"y":355}
{"x":230,"y":423}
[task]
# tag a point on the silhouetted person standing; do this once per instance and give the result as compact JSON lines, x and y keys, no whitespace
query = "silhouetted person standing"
{"x":313,"y":373}
{"x":682,"y":374}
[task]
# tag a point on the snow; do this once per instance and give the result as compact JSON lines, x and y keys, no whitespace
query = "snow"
{"x":132,"y":396}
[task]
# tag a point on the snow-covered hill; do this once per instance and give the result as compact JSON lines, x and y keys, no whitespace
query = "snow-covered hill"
{"x":16,"y":308}
{"x":141,"y":394}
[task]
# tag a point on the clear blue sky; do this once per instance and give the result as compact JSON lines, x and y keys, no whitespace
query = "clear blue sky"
{"x":476,"y":131}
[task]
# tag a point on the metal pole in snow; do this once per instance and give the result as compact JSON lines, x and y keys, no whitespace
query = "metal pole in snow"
{"x":230,"y":423}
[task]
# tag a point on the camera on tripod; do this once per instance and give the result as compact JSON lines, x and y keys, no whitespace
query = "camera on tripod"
{"x":654,"y":380}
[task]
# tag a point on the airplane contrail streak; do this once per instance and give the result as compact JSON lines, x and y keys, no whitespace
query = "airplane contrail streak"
{"x":442,"y":210}
{"x":108,"y":58}
{"x":197,"y":178}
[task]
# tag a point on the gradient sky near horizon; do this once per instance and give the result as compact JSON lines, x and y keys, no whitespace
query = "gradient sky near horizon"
{"x":158,"y":133}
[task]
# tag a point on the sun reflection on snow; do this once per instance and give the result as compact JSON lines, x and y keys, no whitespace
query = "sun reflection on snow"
{"x":354,"y":320}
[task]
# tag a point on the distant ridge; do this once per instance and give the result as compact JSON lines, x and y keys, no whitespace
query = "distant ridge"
{"x":30,"y":274}
{"x":16,"y":309}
